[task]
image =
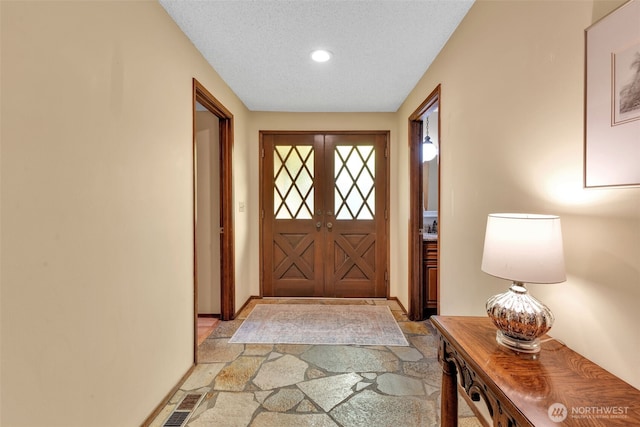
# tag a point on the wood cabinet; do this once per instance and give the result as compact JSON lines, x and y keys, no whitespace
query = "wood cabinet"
{"x":430,"y":276}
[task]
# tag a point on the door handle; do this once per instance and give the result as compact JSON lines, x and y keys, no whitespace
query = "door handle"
{"x":318,"y":225}
{"x":329,"y":225}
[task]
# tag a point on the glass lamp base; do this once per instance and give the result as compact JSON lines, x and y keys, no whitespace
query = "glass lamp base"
{"x":522,"y":346}
{"x":520,"y":318}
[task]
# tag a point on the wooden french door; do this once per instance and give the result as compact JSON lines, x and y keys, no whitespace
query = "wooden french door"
{"x":324,"y":214}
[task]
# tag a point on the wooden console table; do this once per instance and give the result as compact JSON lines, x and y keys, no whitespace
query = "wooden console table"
{"x":554,"y":387}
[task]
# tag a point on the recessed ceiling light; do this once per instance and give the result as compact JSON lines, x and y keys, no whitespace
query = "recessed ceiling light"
{"x":321,"y":55}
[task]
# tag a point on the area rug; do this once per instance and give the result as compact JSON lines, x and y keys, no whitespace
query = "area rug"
{"x":320,"y":324}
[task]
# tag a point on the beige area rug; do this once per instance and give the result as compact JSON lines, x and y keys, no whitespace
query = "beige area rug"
{"x":320,"y":324}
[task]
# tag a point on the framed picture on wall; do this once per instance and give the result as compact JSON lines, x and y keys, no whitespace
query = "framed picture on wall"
{"x":612,"y":99}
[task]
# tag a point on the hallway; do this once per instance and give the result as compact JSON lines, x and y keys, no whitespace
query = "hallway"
{"x":250,"y":385}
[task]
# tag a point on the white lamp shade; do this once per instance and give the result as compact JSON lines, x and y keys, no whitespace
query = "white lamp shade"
{"x":524,"y":248}
{"x":429,"y":151}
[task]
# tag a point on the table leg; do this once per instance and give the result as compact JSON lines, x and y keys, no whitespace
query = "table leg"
{"x":449,"y":398}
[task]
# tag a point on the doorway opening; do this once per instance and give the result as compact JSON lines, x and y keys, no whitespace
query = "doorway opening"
{"x":424,"y":205}
{"x":212,"y":208}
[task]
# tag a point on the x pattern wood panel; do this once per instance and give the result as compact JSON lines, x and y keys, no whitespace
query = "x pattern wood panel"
{"x":354,"y":256}
{"x":293,"y":256}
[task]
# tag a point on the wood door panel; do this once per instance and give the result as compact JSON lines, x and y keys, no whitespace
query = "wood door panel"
{"x":292,"y":247}
{"x":326,"y":239}
{"x":293,"y":256}
{"x":358,"y":197}
{"x":353,"y":268}
{"x":354,"y":257}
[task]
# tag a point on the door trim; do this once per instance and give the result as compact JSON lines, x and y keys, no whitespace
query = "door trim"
{"x":387,"y":156}
{"x":416,"y":291}
{"x":227,"y":259}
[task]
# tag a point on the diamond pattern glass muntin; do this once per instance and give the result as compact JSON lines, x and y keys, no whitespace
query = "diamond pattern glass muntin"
{"x":354,"y":193}
{"x":293,"y":181}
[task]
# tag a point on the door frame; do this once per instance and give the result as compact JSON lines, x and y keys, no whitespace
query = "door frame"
{"x":416,"y":288}
{"x":227,"y":255}
{"x":387,"y":155}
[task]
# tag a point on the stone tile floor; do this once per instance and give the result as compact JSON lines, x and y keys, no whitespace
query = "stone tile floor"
{"x":251,"y":385}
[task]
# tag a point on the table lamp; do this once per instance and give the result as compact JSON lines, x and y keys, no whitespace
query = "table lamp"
{"x":522,"y":248}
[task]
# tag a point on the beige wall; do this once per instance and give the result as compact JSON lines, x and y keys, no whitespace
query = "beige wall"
{"x":96,"y":215}
{"x":512,"y":140}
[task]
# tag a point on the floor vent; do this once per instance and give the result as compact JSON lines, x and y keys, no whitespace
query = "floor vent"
{"x":182,"y":413}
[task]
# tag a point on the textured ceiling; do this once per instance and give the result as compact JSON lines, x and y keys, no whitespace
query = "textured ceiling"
{"x":261,"y":48}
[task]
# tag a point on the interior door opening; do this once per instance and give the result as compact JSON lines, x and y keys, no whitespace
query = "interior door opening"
{"x":425,"y":230}
{"x":207,"y":172}
{"x":213,"y":231}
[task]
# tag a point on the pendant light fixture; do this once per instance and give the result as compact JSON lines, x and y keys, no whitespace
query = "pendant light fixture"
{"x":429,"y":150}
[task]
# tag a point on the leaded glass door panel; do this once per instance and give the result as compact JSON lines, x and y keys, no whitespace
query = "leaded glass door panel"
{"x":291,"y":191}
{"x":355,"y":202}
{"x":324,"y":214}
